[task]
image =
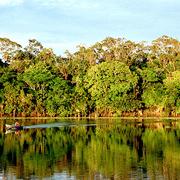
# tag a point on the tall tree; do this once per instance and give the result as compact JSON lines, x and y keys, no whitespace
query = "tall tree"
{"x":111,"y":86}
{"x":8,"y":49}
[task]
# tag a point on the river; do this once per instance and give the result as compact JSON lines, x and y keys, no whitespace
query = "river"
{"x":116,"y":148}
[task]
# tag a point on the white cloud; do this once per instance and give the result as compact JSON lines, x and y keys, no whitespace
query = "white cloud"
{"x":10,"y":2}
{"x":69,"y":3}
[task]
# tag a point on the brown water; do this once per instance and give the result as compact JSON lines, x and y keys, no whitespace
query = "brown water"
{"x":89,"y":149}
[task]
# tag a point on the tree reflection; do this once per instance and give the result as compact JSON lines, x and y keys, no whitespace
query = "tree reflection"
{"x":110,"y":150}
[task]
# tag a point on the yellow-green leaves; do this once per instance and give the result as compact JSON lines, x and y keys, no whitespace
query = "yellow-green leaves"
{"x":110,"y":83}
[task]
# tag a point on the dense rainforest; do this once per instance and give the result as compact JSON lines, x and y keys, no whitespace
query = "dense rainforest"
{"x":114,"y":77}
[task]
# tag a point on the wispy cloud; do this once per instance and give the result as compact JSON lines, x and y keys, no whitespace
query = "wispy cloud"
{"x":68,"y":4}
{"x":62,"y":24}
{"x":10,"y":2}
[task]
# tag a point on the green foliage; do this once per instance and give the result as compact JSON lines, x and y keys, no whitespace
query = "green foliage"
{"x":81,"y":102}
{"x":153,"y":89}
{"x":172,"y":85}
{"x":109,"y":78}
{"x":152,"y":75}
{"x":59,"y":95}
{"x":110,"y":85}
{"x":153,"y":96}
{"x":37,"y":75}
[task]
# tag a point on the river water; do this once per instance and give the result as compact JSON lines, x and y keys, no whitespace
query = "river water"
{"x":91,"y":149}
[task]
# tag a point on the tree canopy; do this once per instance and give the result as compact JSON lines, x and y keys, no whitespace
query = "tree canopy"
{"x":110,"y":78}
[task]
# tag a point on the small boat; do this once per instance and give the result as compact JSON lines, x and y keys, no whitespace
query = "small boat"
{"x":13,"y":127}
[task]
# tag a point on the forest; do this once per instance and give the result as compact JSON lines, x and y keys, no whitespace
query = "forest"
{"x":114,"y":77}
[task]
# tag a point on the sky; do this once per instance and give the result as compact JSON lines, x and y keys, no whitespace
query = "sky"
{"x":64,"y":24}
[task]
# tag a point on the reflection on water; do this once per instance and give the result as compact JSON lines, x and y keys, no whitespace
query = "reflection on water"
{"x":105,"y":149}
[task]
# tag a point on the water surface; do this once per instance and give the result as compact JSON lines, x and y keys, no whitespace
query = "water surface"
{"x":89,"y":149}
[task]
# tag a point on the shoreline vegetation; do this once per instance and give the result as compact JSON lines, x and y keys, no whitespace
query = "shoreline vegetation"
{"x":112,"y":78}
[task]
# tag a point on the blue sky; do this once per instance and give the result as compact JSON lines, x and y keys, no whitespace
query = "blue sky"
{"x":64,"y":24}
